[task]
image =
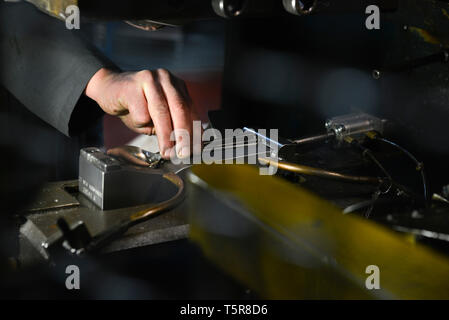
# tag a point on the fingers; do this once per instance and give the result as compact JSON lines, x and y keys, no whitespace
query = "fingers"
{"x":138,"y":109}
{"x":128,"y":121}
{"x":185,"y":93}
{"x":150,"y":102}
{"x":158,"y":111}
{"x":180,"y":111}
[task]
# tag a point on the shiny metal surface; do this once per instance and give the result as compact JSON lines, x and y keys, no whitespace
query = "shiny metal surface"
{"x":111,"y":183}
{"x":293,"y":167}
{"x":354,"y":125}
{"x":229,"y":8}
{"x":136,"y":155}
{"x":301,"y":7}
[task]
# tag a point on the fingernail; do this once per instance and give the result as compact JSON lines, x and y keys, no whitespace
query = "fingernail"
{"x":184,"y":152}
{"x":166,"y":153}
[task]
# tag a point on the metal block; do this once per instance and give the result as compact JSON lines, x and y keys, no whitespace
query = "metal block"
{"x":111,"y":185}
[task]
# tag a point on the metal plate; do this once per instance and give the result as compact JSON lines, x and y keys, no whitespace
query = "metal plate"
{"x":53,"y":196}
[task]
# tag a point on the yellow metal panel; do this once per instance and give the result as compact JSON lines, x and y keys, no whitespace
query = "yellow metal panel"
{"x":334,"y":249}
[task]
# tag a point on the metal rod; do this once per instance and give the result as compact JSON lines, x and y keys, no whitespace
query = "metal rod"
{"x":317,"y":138}
{"x":293,"y":167}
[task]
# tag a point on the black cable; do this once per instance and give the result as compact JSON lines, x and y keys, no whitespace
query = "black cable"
{"x":366,"y":152}
{"x":419,"y":165}
{"x":375,"y":196}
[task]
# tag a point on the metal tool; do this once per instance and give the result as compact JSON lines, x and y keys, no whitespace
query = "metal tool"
{"x":111,"y":183}
{"x":355,"y":125}
{"x":137,"y":156}
{"x":313,"y":139}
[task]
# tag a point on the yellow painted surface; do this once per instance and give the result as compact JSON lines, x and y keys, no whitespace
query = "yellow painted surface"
{"x":53,"y":7}
{"x":330,"y":251}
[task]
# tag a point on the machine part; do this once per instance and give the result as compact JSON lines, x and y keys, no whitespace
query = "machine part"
{"x":306,"y":7}
{"x":163,"y":206}
{"x":104,"y":238}
{"x":50,"y":197}
{"x":389,"y":183}
{"x":229,"y":8}
{"x":74,"y":239}
{"x":293,"y":167}
{"x":137,"y":156}
{"x":79,"y":241}
{"x":367,"y":153}
{"x":354,"y":125}
{"x":424,"y":233}
{"x":295,"y":245}
{"x":264,"y":139}
{"x":381,"y":190}
{"x":345,"y":126}
{"x":419,"y":165}
{"x":42,"y":240}
{"x":303,"y":7}
{"x":102,"y":178}
{"x":315,"y":139}
{"x":370,"y":155}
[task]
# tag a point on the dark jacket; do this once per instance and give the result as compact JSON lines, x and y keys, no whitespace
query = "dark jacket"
{"x":44,"y":69}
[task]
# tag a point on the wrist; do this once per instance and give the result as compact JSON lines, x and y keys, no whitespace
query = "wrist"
{"x":96,"y":83}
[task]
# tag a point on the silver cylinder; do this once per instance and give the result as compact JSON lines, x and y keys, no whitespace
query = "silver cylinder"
{"x":229,"y":8}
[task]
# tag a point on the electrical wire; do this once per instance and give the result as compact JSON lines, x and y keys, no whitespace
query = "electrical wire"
{"x":419,"y":165}
{"x":368,"y":153}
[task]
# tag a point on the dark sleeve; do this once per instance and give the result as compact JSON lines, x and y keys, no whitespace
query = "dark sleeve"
{"x":46,"y":66}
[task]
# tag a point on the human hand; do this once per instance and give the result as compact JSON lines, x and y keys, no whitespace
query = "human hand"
{"x":148,"y":102}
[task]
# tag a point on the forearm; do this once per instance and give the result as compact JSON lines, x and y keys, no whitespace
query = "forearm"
{"x":44,"y":65}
